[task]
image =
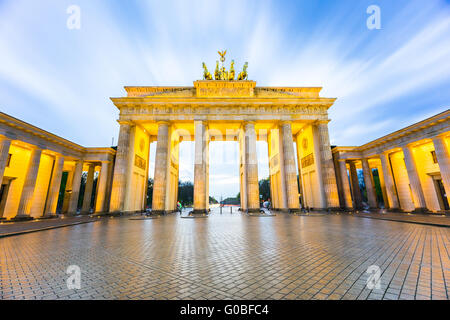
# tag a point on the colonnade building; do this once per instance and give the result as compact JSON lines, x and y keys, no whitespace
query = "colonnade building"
{"x":41,"y":173}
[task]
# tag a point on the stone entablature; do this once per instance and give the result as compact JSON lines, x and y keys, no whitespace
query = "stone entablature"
{"x":222,"y":89}
{"x":224,"y":100}
{"x":15,"y":129}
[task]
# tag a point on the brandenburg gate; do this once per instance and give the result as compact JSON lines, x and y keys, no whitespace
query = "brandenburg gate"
{"x":224,"y":109}
{"x":42,"y":174}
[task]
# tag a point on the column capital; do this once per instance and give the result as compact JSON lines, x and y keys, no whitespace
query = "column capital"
{"x":125,"y":122}
{"x":285,"y":122}
{"x":247,"y":122}
{"x":5,"y":138}
{"x":162,"y":122}
{"x":35,"y":147}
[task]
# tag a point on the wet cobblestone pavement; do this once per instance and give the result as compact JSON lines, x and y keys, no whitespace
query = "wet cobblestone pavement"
{"x":229,"y":256}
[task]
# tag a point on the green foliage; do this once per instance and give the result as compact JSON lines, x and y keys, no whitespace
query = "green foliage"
{"x":186,"y":193}
{"x":264,"y":188}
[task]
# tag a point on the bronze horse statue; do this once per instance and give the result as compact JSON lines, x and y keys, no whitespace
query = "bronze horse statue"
{"x":243,"y":74}
{"x":206,"y":74}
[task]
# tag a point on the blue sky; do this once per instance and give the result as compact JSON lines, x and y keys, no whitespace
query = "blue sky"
{"x":61,"y":79}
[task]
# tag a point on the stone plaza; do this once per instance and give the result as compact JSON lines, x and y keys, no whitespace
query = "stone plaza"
{"x":229,"y":256}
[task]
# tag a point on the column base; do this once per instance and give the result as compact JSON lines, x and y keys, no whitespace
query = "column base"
{"x":71,"y":214}
{"x":49,"y":216}
{"x":281,"y":210}
{"x":396,"y":210}
{"x":22,"y":217}
{"x":157,"y":212}
{"x":197,"y":213}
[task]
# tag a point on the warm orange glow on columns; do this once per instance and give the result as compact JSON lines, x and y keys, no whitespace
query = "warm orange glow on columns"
{"x":327,"y":166}
{"x":88,"y":189}
{"x":76,"y":183}
{"x":389,"y":182}
{"x":4,"y":154}
{"x":251,"y":164}
{"x":290,"y":171}
{"x":161,"y":163}
{"x":368,"y":181}
{"x":345,"y":184}
{"x":119,"y":185}
{"x":200,"y":170}
{"x":26,"y":198}
{"x":443,"y":157}
{"x":102,"y":186}
{"x":414,"y":181}
{"x":55,"y":184}
{"x":356,"y":191}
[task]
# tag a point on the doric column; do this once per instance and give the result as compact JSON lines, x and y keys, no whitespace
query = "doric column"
{"x":29,"y":185}
{"x":389,"y":182}
{"x":207,"y":173}
{"x":382,"y":186}
{"x":119,"y":185}
{"x":356,"y":191}
{"x":55,"y":184}
{"x":367,"y":172}
{"x":282,"y":196}
{"x":345,"y":185}
{"x":102,"y":187}
{"x":4,"y":154}
{"x":327,"y":167}
{"x":300,"y":180}
{"x":414,"y":180}
{"x":251,"y":164}
{"x":86,"y":207}
{"x":443,"y":158}
{"x":76,"y":183}
{"x":290,"y":171}
{"x":200,"y":206}
{"x":161,"y":163}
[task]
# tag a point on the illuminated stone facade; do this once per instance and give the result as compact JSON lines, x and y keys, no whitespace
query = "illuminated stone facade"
{"x":407,"y":170}
{"x":215,"y":110}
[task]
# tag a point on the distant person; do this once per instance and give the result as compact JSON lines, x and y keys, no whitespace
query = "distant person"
{"x":179,"y":207}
